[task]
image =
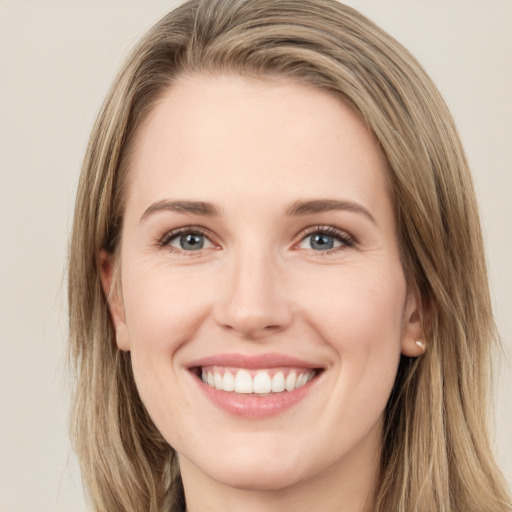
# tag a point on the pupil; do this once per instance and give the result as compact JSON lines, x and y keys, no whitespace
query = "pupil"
{"x":322,"y":242}
{"x":192,"y":242}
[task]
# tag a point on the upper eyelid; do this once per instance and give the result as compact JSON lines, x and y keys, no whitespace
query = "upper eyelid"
{"x":321,"y":227}
{"x":330,"y":230}
{"x":173,"y":233}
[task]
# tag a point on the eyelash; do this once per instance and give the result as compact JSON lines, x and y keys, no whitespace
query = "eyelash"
{"x":346,"y":240}
{"x":171,"y":235}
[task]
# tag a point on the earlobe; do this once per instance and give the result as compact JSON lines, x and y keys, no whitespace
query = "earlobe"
{"x":413,"y":348}
{"x":122,"y":339}
{"x":112,"y":291}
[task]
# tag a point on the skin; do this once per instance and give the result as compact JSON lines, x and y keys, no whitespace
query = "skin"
{"x":253,"y":148}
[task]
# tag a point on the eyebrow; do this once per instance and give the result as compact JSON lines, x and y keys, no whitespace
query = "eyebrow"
{"x":298,"y":208}
{"x":190,"y":207}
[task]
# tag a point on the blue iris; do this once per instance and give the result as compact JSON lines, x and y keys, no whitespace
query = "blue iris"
{"x":321,"y":242}
{"x":192,"y":242}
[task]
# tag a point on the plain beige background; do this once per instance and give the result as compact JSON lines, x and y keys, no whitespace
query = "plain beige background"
{"x":57,"y":59}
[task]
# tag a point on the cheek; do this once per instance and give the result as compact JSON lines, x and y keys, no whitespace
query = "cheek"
{"x":361,"y":309}
{"x":360,"y":315}
{"x":164,"y":308}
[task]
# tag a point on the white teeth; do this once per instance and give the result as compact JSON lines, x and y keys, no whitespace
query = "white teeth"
{"x":243,"y":382}
{"x":291,"y":381}
{"x":228,"y":382}
{"x":217,"y":377}
{"x":301,"y":380}
{"x":278,"y":382}
{"x":262,"y":382}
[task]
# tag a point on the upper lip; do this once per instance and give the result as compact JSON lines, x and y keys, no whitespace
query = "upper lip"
{"x":252,"y":361}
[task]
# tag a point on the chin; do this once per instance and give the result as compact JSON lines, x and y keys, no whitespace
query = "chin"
{"x":256,"y":467}
{"x":257,"y":477}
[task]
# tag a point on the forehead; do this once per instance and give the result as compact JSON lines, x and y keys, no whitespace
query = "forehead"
{"x":225,"y":136}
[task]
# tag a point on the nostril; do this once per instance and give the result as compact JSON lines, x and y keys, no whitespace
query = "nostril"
{"x":254,"y":324}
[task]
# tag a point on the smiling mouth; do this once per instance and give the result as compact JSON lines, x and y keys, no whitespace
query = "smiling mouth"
{"x":255,"y":382}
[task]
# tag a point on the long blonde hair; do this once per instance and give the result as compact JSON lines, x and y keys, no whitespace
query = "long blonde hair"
{"x":436,"y":453}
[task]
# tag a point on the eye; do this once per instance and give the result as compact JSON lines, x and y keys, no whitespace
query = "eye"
{"x":188,"y":240}
{"x":324,"y":239}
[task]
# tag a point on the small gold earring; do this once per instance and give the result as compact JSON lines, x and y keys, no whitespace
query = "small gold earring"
{"x":421,"y":345}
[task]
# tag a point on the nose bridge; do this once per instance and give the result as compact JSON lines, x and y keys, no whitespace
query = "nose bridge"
{"x":254,"y":301}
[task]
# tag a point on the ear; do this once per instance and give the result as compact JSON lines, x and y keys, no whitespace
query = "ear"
{"x":413,"y":341}
{"x":112,"y":290}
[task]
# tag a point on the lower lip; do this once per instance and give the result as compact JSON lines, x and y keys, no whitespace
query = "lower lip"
{"x":255,"y":407}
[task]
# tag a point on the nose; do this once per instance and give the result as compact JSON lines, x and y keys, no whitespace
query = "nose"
{"x":254,"y":301}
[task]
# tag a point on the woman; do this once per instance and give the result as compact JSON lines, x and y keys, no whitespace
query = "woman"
{"x":278,"y":295}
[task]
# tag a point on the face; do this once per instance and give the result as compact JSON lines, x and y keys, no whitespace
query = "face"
{"x":262,"y":296}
